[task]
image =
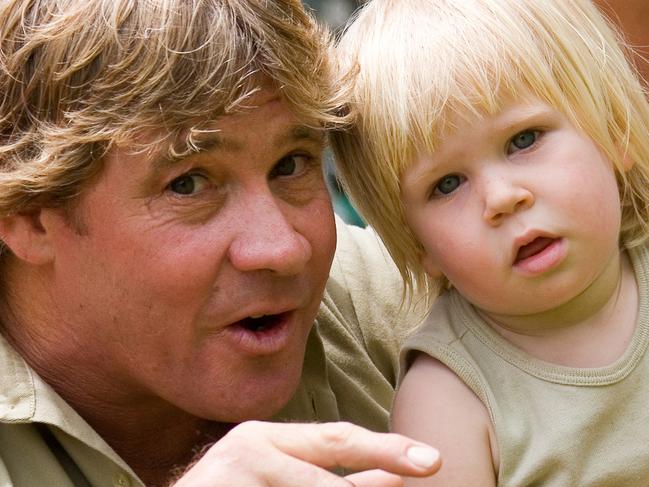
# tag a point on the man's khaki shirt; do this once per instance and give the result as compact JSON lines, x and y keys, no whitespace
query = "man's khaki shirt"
{"x":350,"y":372}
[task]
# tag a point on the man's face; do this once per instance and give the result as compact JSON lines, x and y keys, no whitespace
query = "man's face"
{"x":196,"y":281}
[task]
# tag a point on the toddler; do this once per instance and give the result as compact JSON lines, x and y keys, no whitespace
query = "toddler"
{"x":501,"y":150}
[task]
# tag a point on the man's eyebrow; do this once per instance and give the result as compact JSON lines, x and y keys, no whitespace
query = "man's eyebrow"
{"x":300,"y":133}
{"x":215,"y":141}
{"x":168,"y":157}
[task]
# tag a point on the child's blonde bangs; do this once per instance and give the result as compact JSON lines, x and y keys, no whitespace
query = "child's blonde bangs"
{"x":415,"y":85}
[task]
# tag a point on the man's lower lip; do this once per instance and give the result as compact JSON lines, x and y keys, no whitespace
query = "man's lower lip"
{"x":262,"y":342}
{"x":544,"y":260}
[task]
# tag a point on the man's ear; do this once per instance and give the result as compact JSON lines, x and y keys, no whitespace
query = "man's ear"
{"x":27,"y":238}
{"x":429,"y":266}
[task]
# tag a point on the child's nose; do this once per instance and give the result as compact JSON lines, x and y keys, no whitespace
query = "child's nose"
{"x":503,"y":197}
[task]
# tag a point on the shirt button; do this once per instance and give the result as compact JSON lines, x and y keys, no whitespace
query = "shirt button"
{"x":121,"y":480}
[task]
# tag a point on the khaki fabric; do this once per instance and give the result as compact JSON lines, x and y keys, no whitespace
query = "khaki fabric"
{"x":359,"y":330}
{"x":554,"y":425}
{"x":349,"y":374}
{"x":25,"y":458}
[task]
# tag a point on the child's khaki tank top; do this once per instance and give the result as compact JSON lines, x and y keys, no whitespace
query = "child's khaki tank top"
{"x":555,"y":425}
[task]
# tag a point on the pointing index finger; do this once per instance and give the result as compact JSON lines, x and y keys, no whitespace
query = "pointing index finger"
{"x":345,"y":445}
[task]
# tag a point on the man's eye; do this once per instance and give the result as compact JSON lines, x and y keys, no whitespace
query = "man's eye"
{"x":448,"y":184}
{"x":522,"y":140}
{"x":289,"y":166}
{"x":188,"y":184}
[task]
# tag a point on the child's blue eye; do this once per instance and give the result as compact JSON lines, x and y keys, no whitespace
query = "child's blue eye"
{"x":448,"y":184}
{"x":523,"y":140}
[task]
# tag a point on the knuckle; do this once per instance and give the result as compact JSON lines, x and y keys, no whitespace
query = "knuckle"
{"x":390,"y":439}
{"x":246,"y":430}
{"x":241,"y":441}
{"x":338,"y":435}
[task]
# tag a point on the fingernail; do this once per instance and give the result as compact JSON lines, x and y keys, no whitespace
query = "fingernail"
{"x":422,"y":456}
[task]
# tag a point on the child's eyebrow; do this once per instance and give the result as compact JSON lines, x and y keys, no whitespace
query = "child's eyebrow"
{"x":519,"y":116}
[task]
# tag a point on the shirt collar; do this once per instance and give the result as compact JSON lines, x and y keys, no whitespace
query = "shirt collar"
{"x":26,"y":398}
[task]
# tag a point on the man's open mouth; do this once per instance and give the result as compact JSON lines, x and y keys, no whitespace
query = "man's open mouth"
{"x":263,"y":334}
{"x":262,"y":323}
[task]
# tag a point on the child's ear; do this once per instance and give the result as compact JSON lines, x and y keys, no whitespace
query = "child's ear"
{"x":627,"y":162}
{"x":26,"y":237}
{"x":430,"y":266}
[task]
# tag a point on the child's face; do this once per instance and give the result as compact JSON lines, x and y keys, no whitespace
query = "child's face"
{"x":520,"y":211}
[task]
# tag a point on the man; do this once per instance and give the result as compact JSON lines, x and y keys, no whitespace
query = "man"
{"x":167,"y":240}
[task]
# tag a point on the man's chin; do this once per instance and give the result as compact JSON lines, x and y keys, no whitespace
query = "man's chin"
{"x":259,"y":400}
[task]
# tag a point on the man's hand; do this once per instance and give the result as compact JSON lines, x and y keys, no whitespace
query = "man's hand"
{"x":256,"y":454}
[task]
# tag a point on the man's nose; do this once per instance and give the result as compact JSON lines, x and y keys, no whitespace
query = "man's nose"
{"x":267,"y":239}
{"x":504,"y":196}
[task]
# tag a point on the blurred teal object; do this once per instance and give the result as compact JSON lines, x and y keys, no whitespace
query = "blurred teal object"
{"x":335,"y":13}
{"x":341,"y":204}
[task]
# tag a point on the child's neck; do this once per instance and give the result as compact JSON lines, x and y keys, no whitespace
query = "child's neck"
{"x":592,"y":330}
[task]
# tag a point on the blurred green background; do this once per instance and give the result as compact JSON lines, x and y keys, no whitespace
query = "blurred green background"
{"x":333,"y":12}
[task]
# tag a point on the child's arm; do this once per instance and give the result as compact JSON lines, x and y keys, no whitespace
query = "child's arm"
{"x":433,"y":405}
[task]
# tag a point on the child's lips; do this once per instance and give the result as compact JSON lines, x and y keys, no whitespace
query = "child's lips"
{"x":540,"y":255}
{"x":534,"y":247}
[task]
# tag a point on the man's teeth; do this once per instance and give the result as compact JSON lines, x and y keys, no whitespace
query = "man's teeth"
{"x":255,"y":317}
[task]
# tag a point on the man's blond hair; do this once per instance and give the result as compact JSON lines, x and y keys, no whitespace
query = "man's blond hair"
{"x":79,"y":75}
{"x":408,"y":67}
